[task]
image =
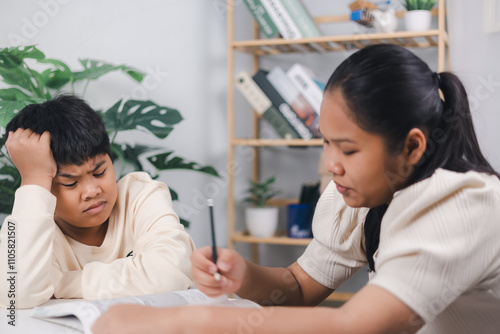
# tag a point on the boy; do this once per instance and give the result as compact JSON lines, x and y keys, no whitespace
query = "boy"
{"x":74,"y":231}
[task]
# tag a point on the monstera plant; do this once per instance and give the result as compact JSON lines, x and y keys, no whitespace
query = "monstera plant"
{"x":29,"y":77}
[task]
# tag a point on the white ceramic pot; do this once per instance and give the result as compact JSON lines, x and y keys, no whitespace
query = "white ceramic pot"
{"x":418,"y":20}
{"x":262,"y":222}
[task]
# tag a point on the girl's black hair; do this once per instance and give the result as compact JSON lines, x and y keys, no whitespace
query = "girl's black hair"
{"x":77,"y":132}
{"x":390,"y":91}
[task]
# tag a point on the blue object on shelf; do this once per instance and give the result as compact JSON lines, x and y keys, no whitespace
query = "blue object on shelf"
{"x":357,"y":15}
{"x":299,"y":220}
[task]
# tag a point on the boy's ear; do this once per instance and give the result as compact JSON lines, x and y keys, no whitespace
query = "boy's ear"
{"x":415,"y":146}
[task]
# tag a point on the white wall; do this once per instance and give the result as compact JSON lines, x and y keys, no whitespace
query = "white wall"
{"x":475,"y":59}
{"x":182,"y":45}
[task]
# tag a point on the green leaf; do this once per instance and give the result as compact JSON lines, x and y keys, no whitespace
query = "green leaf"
{"x":173,"y":194}
{"x":136,"y":75}
{"x":13,"y":94}
{"x":261,"y":192}
{"x":14,"y":56}
{"x":94,"y":69}
{"x":14,"y":70}
{"x":163,"y":161}
{"x":184,"y":222}
{"x":8,"y":186}
{"x":8,"y":110}
{"x":57,"y":76}
{"x":41,"y":89}
{"x":18,"y":76}
{"x":141,"y":115}
{"x":130,"y":154}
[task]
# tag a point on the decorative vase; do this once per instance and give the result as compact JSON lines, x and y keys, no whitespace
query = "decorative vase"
{"x":262,"y":222}
{"x":385,"y":21}
{"x":418,"y":20}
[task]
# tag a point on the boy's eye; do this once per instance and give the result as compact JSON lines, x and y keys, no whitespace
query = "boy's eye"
{"x":69,"y":185}
{"x":349,"y":152}
{"x":100,"y":174}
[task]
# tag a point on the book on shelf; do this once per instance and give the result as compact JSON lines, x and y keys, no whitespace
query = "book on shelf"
{"x":301,"y":17}
{"x":80,"y":315}
{"x":277,"y":100}
{"x":264,"y":107}
{"x":263,"y":19}
{"x":284,"y":86}
{"x":282,"y":19}
{"x":308,"y":84}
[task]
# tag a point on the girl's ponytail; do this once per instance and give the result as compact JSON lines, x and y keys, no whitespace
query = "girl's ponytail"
{"x":453,"y":143}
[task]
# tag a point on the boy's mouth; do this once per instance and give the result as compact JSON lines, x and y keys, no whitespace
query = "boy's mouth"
{"x":95,"y":207}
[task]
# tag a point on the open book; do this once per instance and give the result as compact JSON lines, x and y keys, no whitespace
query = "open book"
{"x":81,"y":314}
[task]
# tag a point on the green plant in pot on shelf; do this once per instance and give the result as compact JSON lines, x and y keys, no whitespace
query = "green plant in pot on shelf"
{"x":24,"y":83}
{"x":261,"y":220}
{"x":418,"y":17}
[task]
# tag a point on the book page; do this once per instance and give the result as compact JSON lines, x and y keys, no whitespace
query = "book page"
{"x":81,"y":314}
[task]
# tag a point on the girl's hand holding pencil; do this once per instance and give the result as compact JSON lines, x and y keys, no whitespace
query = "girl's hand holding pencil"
{"x":216,"y":275}
{"x":230,"y":265}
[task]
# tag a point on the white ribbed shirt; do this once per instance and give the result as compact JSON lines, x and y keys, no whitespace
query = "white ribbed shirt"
{"x":439,"y":249}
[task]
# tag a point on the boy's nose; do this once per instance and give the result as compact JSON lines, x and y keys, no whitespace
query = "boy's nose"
{"x":91,"y":191}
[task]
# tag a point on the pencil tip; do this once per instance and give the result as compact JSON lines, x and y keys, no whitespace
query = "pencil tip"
{"x":210,"y":202}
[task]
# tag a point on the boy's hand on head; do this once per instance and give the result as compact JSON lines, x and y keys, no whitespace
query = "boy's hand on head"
{"x":32,"y":156}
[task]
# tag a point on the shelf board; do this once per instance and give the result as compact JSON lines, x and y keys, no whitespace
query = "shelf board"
{"x":409,"y":39}
{"x":340,"y":296}
{"x":279,"y":239}
{"x":276,"y":142}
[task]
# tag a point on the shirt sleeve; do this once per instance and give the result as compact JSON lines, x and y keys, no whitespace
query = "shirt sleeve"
{"x":26,"y":240}
{"x":439,"y":239}
{"x":336,"y":251}
{"x":162,"y":248}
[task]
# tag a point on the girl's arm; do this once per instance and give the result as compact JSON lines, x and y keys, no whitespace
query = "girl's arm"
{"x":290,"y":286}
{"x":372,"y":310}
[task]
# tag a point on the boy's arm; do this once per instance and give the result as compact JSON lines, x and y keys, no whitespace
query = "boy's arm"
{"x":161,"y":253}
{"x":26,"y":270}
{"x":27,"y":235}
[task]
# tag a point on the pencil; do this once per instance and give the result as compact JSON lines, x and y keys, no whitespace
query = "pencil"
{"x":210,"y":203}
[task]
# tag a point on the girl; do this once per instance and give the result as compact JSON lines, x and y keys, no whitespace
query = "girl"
{"x":412,"y":196}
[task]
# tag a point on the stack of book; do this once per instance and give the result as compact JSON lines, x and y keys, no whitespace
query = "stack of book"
{"x":288,"y":18}
{"x":288,"y":100}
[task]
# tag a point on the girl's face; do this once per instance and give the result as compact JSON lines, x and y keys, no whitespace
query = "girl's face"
{"x":365,"y":173}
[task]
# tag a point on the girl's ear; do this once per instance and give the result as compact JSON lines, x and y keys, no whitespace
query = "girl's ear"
{"x":415,"y":146}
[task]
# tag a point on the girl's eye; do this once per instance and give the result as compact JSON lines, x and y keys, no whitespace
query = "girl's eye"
{"x":69,"y":185}
{"x":349,"y":152}
{"x":100,"y":174}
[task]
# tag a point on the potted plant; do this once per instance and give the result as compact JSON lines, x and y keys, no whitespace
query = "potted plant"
{"x":26,"y":84}
{"x":418,"y":17}
{"x":261,"y":220}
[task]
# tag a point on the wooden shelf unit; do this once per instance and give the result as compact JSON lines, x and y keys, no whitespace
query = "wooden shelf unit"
{"x":435,"y":38}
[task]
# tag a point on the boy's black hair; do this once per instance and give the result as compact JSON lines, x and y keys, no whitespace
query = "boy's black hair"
{"x":77,"y":132}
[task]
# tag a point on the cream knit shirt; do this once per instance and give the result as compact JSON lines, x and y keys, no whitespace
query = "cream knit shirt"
{"x":439,"y":249}
{"x":146,"y":250}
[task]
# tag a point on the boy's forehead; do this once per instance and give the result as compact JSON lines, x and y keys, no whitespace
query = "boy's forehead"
{"x":91,"y":163}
